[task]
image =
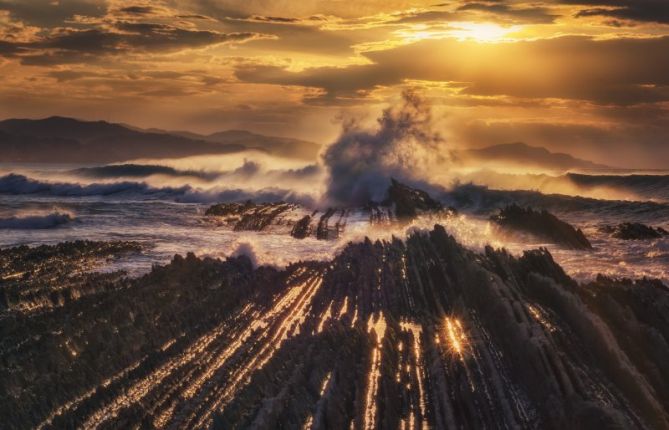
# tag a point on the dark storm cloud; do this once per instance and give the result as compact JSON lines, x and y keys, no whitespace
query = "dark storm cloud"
{"x":70,"y":75}
{"x":65,"y":46}
{"x":499,"y":10}
{"x":278,"y":19}
{"x":46,"y":13}
{"x":637,"y":10}
{"x":618,"y":71}
{"x":9,"y":49}
{"x":138,"y":10}
{"x":426,"y":16}
{"x":530,"y":14}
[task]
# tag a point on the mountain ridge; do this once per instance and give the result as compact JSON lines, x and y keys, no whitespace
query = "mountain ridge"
{"x":522,"y":154}
{"x":63,"y":139}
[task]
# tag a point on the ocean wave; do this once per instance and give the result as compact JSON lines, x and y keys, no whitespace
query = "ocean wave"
{"x":14,"y":184}
{"x":35,"y":222}
{"x":249,"y":169}
{"x":481,"y":199}
{"x":140,"y":171}
{"x":267,"y":195}
{"x":645,"y":186}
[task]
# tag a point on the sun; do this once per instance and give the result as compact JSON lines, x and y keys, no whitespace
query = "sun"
{"x":482,"y":32}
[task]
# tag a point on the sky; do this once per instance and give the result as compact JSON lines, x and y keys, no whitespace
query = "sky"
{"x":588,"y":77}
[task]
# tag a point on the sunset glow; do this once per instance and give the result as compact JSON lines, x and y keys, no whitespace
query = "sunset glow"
{"x":328,"y":214}
{"x":482,"y":32}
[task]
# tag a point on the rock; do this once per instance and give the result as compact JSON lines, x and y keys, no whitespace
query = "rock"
{"x":410,"y":202}
{"x":403,"y":204}
{"x":301,"y":228}
{"x":28,"y":274}
{"x":419,"y":331}
{"x":541,"y":224}
{"x":229,"y":209}
{"x":634,"y":231}
{"x":249,"y":216}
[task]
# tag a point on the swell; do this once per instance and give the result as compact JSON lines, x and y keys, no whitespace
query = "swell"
{"x":247,"y":170}
{"x":36,"y":222}
{"x":140,"y":171}
{"x":17,"y":185}
{"x":645,"y":186}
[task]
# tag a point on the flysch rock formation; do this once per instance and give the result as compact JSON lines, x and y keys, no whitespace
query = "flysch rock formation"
{"x":420,"y":333}
{"x":634,"y":231}
{"x":541,"y":224}
{"x":402,"y":204}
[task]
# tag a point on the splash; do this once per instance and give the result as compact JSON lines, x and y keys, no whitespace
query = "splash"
{"x":246,"y":249}
{"x":405,"y":146}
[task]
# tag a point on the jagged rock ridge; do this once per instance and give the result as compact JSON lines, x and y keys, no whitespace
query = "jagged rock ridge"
{"x":412,"y":333}
{"x":403,"y":204}
{"x":634,"y":231}
{"x":46,"y":276}
{"x":541,"y":224}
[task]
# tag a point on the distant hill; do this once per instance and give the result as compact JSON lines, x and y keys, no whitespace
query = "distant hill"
{"x":521,"y":154}
{"x":67,"y":140}
{"x":283,"y":146}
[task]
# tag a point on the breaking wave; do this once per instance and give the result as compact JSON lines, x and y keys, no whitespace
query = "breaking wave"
{"x":360,"y":163}
{"x":36,"y":222}
{"x":19,"y":184}
{"x":140,"y":171}
{"x":645,"y":186}
{"x":14,"y":184}
{"x":248,"y":169}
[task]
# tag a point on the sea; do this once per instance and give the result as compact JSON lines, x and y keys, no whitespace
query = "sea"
{"x":163,"y":206}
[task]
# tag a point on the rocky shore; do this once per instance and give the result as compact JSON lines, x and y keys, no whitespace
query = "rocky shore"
{"x":416,"y":332}
{"x":403,"y":204}
{"x":541,"y":224}
{"x":634,"y":231}
{"x":32,"y":278}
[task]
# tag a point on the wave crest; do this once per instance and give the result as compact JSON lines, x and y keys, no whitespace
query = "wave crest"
{"x":15,"y":184}
{"x":36,"y":222}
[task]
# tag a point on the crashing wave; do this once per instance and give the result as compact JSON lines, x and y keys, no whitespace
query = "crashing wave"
{"x":36,"y":222}
{"x":140,"y":171}
{"x":15,"y":184}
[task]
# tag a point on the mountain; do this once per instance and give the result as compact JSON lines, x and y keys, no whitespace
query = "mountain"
{"x":521,"y":154}
{"x":68,"y":140}
{"x":283,"y":146}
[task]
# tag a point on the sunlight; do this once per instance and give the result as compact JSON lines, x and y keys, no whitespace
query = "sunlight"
{"x":456,"y":337}
{"x":482,"y":32}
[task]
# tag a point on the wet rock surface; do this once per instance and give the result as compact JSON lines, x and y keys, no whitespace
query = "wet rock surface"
{"x":302,"y":229}
{"x":410,"y":202}
{"x":250,"y":216}
{"x":403,"y":204}
{"x":35,"y":277}
{"x":634,"y":231}
{"x":541,"y":224}
{"x":416,"y":333}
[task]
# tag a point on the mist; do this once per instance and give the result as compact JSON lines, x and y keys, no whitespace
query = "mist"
{"x":405,"y":146}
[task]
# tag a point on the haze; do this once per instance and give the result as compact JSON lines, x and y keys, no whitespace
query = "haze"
{"x":585,"y":77}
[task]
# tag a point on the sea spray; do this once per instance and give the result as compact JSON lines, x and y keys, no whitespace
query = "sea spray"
{"x":405,"y":146}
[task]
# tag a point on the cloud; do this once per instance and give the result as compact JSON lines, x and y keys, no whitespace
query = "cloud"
{"x":138,"y":10}
{"x":636,"y":10}
{"x":47,"y":13}
{"x":503,"y":10}
{"x":615,"y":71}
{"x":67,"y":45}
